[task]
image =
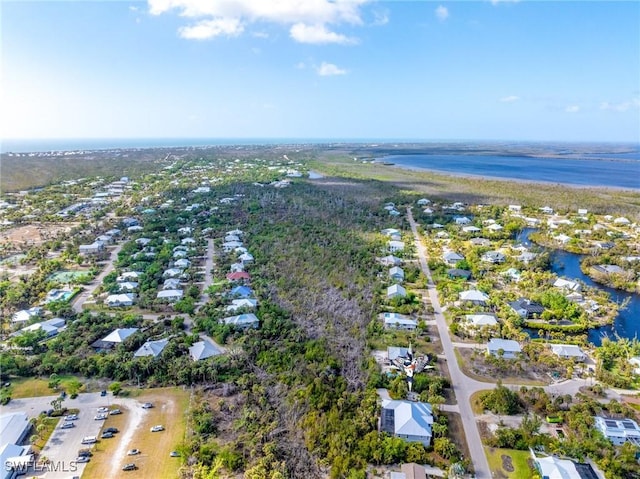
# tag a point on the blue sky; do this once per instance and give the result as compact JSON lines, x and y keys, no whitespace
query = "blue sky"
{"x":502,"y":70}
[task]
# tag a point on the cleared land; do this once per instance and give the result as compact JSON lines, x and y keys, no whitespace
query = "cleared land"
{"x":154,"y":461}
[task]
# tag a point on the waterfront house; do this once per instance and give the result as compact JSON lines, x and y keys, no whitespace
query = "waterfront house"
{"x":568,"y":351}
{"x":409,"y":420}
{"x":506,"y":348}
{"x":526,"y":309}
{"x":568,"y":285}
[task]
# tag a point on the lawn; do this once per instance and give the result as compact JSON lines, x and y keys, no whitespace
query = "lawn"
{"x":154,"y":461}
{"x":508,"y":463}
{"x":37,"y":387}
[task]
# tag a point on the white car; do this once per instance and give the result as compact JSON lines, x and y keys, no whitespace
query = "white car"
{"x":103,"y":409}
{"x":71,"y":417}
{"x":133,"y":452}
{"x":82,"y":459}
{"x":157,"y":428}
{"x":100,"y":417}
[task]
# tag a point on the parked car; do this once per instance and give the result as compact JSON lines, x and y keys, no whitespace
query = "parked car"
{"x":129,"y":467}
{"x":82,"y":459}
{"x":103,"y":393}
{"x":174,"y":454}
{"x":100,"y":417}
{"x":103,"y":409}
{"x":133,"y":452}
{"x":157,"y":428}
{"x":113,"y":412}
{"x":106,"y":435}
{"x":71,"y":417}
{"x":85,"y":452}
{"x":112,"y":430}
{"x":89,"y":440}
{"x":147,"y":405}
{"x":67,"y":425}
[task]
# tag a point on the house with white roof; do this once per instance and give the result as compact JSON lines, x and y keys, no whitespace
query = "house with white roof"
{"x":398,"y":321}
{"x":568,"y":351}
{"x":423,"y":201}
{"x":470,"y":229}
{"x":26,"y":315}
{"x":506,"y":348}
{"x":151,"y":348}
{"x":481,"y":319}
{"x":461,"y":220}
{"x":89,"y":249}
{"x":171,"y":283}
{"x":242,"y":303}
{"x":229,"y":246}
{"x":568,"y":285}
{"x":552,"y":467}
{"x":14,"y":429}
{"x":51,"y":327}
{"x":451,"y":258}
{"x":170,"y":295}
{"x":203,"y":350}
{"x":182,"y":263}
{"x":618,"y":431}
{"x":396,"y":291}
{"x":129,"y":276}
{"x":120,"y":300}
{"x":409,"y":420}
{"x":246,"y":258}
{"x":395,"y":246}
{"x":473,"y":296}
{"x":396,"y":273}
{"x":172,"y":273}
{"x":127,"y":286}
{"x":243,"y":321}
{"x":115,"y":337}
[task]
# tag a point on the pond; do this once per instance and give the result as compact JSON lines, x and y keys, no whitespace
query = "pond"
{"x":566,"y":264}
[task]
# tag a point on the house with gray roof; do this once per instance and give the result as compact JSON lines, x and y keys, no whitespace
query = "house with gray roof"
{"x":203,"y":350}
{"x":506,"y":348}
{"x":409,"y":420}
{"x":151,"y":348}
{"x":569,"y":351}
{"x":243,"y":321}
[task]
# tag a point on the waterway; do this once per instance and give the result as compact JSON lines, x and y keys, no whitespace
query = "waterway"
{"x":567,"y":265}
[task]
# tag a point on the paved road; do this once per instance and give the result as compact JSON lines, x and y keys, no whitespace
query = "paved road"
{"x":83,"y":296}
{"x":463,"y":386}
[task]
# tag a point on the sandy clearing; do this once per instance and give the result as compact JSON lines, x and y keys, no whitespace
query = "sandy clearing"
{"x":134,"y":419}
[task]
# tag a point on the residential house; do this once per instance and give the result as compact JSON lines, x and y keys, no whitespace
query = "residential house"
{"x":390,"y":260}
{"x":128,"y":222}
{"x":390,"y":231}
{"x":526,"y":257}
{"x":506,"y":348}
{"x":395,"y":246}
{"x":423,"y":202}
{"x":513,"y":274}
{"x":231,"y":238}
{"x":120,"y":300}
{"x":396,"y":273}
{"x":474,"y":296}
{"x":143,"y":241}
{"x":127,"y":286}
{"x":459,"y":273}
{"x":398,"y":321}
{"x":409,"y":420}
{"x":236,"y":304}
{"x":568,"y":351}
{"x":235,"y":232}
{"x":134,"y":229}
{"x":186,"y":241}
{"x":635,"y":361}
{"x":618,"y":431}
{"x":171,"y":283}
{"x":236,"y":267}
{"x":470,"y":229}
{"x":484,"y":242}
{"x":394,"y":352}
{"x":185,"y":231}
{"x":117,"y":336}
{"x":409,"y":471}
{"x":461,"y":220}
{"x":203,"y":350}
{"x":494,"y":257}
{"x":105,"y":239}
{"x":552,"y":467}
{"x":151,"y":348}
{"x":51,"y":327}
{"x":172,"y":273}
{"x":621,"y":221}
{"x":179,"y":254}
{"x":26,"y":315}
{"x":241,"y":292}
{"x":239,"y":276}
{"x":396,"y":291}
{"x":526,"y":308}
{"x":495,"y":227}
{"x":452,"y":258}
{"x":170,"y":295}
{"x":244,"y":321}
{"x":481,"y":319}
{"x":563,"y":238}
{"x":608,"y":269}
{"x":547,"y":210}
{"x":567,"y":285}
{"x":246,"y":258}
{"x":182,"y":263}
{"x":516,"y":208}
{"x":91,"y":249}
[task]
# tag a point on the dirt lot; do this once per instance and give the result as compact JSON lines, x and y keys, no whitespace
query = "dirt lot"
{"x":154,"y":461}
{"x":34,"y":234}
{"x":476,"y":365}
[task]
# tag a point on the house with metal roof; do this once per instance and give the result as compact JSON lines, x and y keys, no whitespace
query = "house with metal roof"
{"x":203,"y":350}
{"x":398,"y":321}
{"x":505,"y":348}
{"x":568,"y":351}
{"x":618,"y":431}
{"x":409,"y":420}
{"x":243,"y":321}
{"x":151,"y":348}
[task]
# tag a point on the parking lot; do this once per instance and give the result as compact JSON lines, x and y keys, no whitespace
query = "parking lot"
{"x":110,"y":455}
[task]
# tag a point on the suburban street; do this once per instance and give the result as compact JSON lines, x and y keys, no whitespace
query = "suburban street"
{"x":97,"y":281}
{"x":463,"y":386}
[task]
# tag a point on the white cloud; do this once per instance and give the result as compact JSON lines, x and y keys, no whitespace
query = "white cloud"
{"x":623,"y":106}
{"x":572,"y":109}
{"x":260,"y":34}
{"x":329,"y":69}
{"x":442,"y":13}
{"x":205,"y":29}
{"x":133,"y":8}
{"x":509,"y":99}
{"x":317,"y":34}
{"x":496,"y":2}
{"x":310,"y":21}
{"x":380,"y":17}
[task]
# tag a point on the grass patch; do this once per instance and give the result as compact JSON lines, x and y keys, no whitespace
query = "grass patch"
{"x":508,"y":463}
{"x":48,"y":425}
{"x":476,"y":405}
{"x":170,"y":408}
{"x":30,"y":387}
